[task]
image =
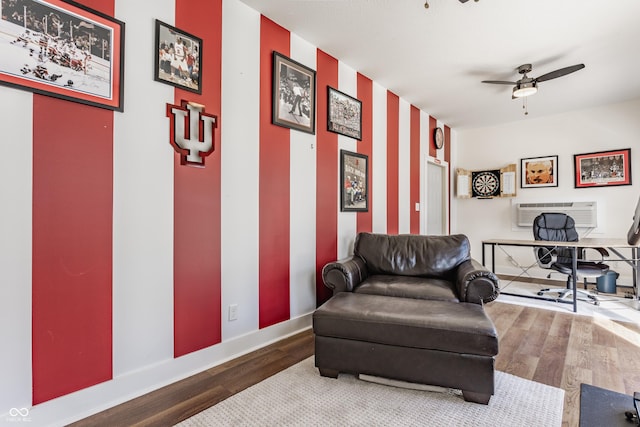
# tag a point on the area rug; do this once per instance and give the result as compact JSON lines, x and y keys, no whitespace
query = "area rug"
{"x":299,"y":396}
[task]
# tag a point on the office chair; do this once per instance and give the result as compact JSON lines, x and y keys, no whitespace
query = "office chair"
{"x":560,"y":227}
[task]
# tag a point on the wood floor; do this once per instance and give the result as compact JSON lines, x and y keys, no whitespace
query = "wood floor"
{"x":555,"y":348}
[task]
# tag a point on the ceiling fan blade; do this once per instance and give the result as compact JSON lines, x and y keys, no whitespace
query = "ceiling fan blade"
{"x":559,"y":73}
{"x":499,"y":82}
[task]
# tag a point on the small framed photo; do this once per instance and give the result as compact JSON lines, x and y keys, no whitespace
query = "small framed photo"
{"x":62,"y":49}
{"x":178,"y":58}
{"x":294,"y":95}
{"x":539,"y":172}
{"x":354,"y":181}
{"x":344,"y":114}
{"x":603,"y":169}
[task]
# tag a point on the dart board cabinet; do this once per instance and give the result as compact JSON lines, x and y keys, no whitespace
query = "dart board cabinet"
{"x":486,"y":184}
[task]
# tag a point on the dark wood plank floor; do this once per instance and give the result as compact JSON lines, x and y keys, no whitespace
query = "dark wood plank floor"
{"x":555,"y":348}
{"x":564,"y":349}
{"x":179,"y":401}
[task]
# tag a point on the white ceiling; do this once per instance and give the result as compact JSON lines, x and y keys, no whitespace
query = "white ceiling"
{"x":436,"y":58}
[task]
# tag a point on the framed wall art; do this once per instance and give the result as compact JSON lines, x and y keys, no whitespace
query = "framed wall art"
{"x":539,"y":172}
{"x":294,"y":95}
{"x":178,"y":58}
{"x":63,"y":49}
{"x":344,"y":115}
{"x":354,"y":179}
{"x":603,"y":169}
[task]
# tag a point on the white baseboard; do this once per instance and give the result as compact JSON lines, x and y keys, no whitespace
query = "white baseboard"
{"x":89,"y":401}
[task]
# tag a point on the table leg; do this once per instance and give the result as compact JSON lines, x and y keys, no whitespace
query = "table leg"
{"x":634,"y":255}
{"x":493,"y":258}
{"x":483,"y":246}
{"x":574,"y":277}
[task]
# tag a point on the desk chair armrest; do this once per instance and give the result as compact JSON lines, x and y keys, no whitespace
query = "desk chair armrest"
{"x":344,"y":275}
{"x":604,"y":254}
{"x":475,"y":283}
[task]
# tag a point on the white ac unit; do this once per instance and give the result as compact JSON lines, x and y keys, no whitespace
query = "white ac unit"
{"x":585,"y":214}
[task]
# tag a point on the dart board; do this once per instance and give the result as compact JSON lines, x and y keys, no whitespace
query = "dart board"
{"x":485,"y":183}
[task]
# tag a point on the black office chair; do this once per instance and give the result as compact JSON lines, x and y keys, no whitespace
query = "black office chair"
{"x":560,"y":227}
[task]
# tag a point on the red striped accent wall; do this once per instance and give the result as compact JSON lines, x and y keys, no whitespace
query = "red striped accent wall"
{"x":327,"y":176}
{"x":274,"y":188}
{"x":72,"y":243}
{"x":84,"y":272}
{"x":365,"y":146}
{"x":197,"y":318}
{"x":414,"y":166}
{"x":393,"y":156}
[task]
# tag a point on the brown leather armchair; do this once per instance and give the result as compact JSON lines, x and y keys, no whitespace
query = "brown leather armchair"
{"x":413,"y":266}
{"x":410,"y":308}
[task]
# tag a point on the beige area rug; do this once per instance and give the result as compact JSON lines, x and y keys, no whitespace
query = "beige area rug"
{"x":299,"y":396}
{"x":611,"y":306}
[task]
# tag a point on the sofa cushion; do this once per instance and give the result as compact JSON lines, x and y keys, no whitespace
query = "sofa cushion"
{"x":411,"y":254}
{"x":405,"y":322}
{"x":408,"y":287}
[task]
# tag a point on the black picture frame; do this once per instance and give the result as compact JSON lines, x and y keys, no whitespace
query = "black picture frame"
{"x":539,"y":172}
{"x":178,"y":58}
{"x":64,"y":50}
{"x":294,"y":87}
{"x":602,"y":168}
{"x":354,"y":182}
{"x":344,"y":114}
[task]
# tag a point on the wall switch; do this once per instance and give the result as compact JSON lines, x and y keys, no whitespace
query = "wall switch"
{"x":233,"y":312}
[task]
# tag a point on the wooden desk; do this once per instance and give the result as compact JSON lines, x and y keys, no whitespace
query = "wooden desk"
{"x":614,"y":245}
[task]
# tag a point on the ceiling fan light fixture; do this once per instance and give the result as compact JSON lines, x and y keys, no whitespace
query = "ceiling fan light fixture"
{"x":525,"y":89}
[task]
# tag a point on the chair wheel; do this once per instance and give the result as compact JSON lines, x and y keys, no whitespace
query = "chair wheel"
{"x":596,"y":303}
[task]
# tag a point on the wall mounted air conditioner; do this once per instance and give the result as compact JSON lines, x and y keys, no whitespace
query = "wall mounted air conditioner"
{"x":585,"y":214}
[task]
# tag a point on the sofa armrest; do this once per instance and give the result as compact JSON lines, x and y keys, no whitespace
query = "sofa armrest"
{"x":475,"y":283}
{"x":344,"y":275}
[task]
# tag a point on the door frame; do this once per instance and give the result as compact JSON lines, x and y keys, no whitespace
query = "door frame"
{"x":445,"y":193}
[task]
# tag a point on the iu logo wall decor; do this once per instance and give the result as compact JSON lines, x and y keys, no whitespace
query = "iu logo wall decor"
{"x":191,"y":132}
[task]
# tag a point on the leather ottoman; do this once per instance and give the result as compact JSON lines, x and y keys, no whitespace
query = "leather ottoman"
{"x":443,"y":343}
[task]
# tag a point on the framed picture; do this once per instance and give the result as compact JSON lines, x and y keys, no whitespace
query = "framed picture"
{"x":604,"y":168}
{"x":539,"y":172}
{"x":344,"y":115}
{"x":294,"y":94}
{"x":178,"y":58}
{"x":354,"y":179}
{"x":62,"y":49}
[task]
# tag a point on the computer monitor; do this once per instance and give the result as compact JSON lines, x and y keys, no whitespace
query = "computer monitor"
{"x":633,"y":235}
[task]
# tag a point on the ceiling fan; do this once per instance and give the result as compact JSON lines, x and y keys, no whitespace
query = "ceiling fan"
{"x":527,"y":86}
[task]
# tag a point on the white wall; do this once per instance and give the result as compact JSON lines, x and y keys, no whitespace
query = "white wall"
{"x":599,"y":129}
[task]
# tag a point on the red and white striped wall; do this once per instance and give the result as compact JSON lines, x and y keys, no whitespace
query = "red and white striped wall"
{"x":119,"y":264}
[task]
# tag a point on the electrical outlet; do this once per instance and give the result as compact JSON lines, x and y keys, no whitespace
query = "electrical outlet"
{"x":233,"y":312}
